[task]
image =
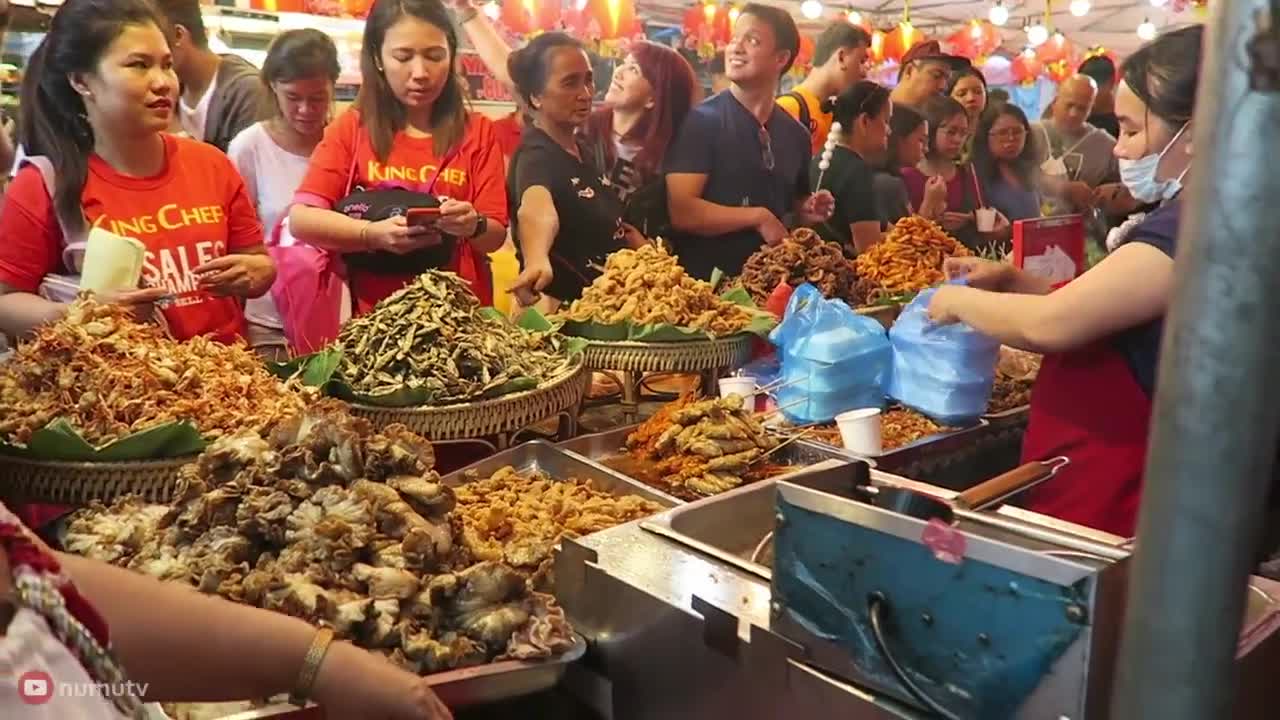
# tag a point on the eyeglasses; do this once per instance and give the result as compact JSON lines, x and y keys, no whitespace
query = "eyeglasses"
{"x":766,"y":149}
{"x":1008,"y":134}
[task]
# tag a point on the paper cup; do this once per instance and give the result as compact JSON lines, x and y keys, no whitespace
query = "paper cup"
{"x":741,"y":385}
{"x":860,"y":431}
{"x":986,"y":219}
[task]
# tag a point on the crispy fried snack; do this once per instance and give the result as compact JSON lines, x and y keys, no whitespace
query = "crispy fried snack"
{"x":908,"y":259}
{"x":519,"y":518}
{"x":696,"y":448}
{"x":803,"y":257}
{"x":648,"y":287}
{"x":111,"y":376}
{"x":1016,"y":372}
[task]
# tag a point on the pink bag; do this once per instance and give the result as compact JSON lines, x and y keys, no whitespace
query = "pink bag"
{"x":311,"y":291}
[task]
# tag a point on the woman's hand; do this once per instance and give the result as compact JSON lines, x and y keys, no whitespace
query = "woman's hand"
{"x":935,"y":197}
{"x":942,"y":305}
{"x":140,"y":303}
{"x":977,"y":272}
{"x":237,"y":275}
{"x":457,"y":218}
{"x":533,"y":279}
{"x":355,"y":683}
{"x":953,"y":221}
{"x":633,"y":237}
{"x":395,"y":235}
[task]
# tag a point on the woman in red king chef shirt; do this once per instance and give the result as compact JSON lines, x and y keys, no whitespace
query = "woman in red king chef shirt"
{"x":409,"y":130}
{"x":101,"y":94}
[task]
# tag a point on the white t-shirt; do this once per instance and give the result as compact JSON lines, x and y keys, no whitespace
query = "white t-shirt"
{"x":194,"y":119}
{"x":271,"y":175}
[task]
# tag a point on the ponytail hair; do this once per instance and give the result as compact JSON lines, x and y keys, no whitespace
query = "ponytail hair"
{"x":52,"y":114}
{"x":864,"y":98}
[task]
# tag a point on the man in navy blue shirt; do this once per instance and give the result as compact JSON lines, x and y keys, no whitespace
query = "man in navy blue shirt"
{"x":740,"y":164}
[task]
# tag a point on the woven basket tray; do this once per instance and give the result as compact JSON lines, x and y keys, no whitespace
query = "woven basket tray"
{"x":77,"y":483}
{"x":676,"y":357}
{"x":485,"y":418}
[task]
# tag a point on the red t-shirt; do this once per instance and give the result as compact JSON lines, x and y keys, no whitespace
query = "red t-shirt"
{"x":509,"y":129}
{"x":472,"y":173}
{"x":196,"y":209}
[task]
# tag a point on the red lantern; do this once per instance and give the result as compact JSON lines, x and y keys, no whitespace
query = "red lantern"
{"x":901,"y":39}
{"x":613,"y":18}
{"x":528,"y":16}
{"x":1059,"y":70}
{"x":804,"y":58}
{"x":1026,"y":69}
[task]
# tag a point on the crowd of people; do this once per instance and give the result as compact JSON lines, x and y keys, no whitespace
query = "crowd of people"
{"x":239,"y":183}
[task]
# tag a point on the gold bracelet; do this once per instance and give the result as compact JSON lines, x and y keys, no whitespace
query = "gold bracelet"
{"x":311,"y":667}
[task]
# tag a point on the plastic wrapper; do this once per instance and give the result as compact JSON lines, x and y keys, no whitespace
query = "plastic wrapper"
{"x":943,"y":371}
{"x":832,"y":359}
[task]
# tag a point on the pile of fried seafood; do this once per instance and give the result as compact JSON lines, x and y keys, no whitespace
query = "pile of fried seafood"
{"x":907,"y":260}
{"x":648,"y":287}
{"x":110,"y":376}
{"x":801,"y":258}
{"x":328,"y":521}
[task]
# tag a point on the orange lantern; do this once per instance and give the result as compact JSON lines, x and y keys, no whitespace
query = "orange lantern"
{"x":901,"y":39}
{"x":1026,"y":69}
{"x":1057,"y":48}
{"x":614,"y":18}
{"x":1059,"y":70}
{"x":877,"y":46}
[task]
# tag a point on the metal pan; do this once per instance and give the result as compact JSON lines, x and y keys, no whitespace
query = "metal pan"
{"x":981,"y":496}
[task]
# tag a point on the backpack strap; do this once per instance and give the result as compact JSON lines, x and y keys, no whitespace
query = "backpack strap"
{"x":805,"y":117}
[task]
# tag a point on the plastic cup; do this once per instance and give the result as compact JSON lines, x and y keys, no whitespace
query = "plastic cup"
{"x":986,"y":219}
{"x":860,"y":431}
{"x":741,"y":385}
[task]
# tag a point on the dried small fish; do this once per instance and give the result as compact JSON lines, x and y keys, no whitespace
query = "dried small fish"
{"x":433,"y":337}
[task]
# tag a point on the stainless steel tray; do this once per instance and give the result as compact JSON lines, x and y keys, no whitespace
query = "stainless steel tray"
{"x":559,"y":464}
{"x":468,"y":687}
{"x":613,"y":442}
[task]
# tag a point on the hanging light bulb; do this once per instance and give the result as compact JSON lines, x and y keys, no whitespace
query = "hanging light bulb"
{"x":734,"y":12}
{"x":998,"y":14}
{"x":1059,"y":39}
{"x":1080,"y":8}
{"x":975,"y":31}
{"x":1159,"y":3}
{"x":854,"y":17}
{"x":1029,"y":53}
{"x":1037,"y":34}
{"x":1147,"y":30}
{"x":811,"y":9}
{"x":492,"y":10}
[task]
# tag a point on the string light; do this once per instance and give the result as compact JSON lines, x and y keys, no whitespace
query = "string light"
{"x":1147,"y":30}
{"x":1037,"y":34}
{"x":1080,"y":8}
{"x":492,"y":10}
{"x":811,"y":9}
{"x":998,"y":14}
{"x":854,"y":17}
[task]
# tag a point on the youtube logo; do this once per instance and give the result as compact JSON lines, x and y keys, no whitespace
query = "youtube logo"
{"x":35,"y":687}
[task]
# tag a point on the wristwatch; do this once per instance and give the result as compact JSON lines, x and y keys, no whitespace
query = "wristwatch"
{"x":482,"y":226}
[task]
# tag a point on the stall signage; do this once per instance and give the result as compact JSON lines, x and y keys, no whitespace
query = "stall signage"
{"x":482,"y":84}
{"x":1052,"y":248}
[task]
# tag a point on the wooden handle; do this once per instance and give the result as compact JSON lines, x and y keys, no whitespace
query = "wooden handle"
{"x":1004,"y":486}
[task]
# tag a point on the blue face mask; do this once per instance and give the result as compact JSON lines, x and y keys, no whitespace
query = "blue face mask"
{"x":1139,"y":176}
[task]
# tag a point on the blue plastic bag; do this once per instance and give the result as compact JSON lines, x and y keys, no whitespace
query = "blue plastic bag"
{"x":833,"y":359}
{"x":944,"y":371}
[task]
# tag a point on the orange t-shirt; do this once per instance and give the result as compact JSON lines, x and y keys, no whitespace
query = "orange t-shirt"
{"x":196,"y":209}
{"x":472,"y":173}
{"x":819,"y":122}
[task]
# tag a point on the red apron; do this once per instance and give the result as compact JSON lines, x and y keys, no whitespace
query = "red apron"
{"x":1088,"y":406}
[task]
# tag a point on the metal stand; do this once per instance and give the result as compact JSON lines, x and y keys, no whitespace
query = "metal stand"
{"x":1218,"y":406}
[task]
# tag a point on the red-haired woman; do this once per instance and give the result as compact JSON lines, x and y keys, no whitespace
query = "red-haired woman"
{"x":650,"y":95}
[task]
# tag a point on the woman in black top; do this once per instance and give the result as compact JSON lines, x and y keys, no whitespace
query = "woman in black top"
{"x":863,"y":113}
{"x":564,"y":217}
{"x":908,"y":139}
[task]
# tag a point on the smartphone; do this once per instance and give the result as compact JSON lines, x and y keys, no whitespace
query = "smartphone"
{"x":423,"y":217}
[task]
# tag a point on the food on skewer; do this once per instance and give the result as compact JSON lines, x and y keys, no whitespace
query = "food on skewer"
{"x":110,"y":376}
{"x":648,"y":287}
{"x":802,"y":258}
{"x":432,"y":336}
{"x":699,"y":448}
{"x":328,"y":521}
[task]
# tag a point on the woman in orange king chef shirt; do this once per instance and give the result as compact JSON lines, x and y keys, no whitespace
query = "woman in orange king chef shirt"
{"x":103,"y":96}
{"x":409,"y":130}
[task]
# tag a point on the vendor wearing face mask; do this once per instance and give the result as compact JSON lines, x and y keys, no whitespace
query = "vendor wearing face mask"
{"x":1100,"y":333}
